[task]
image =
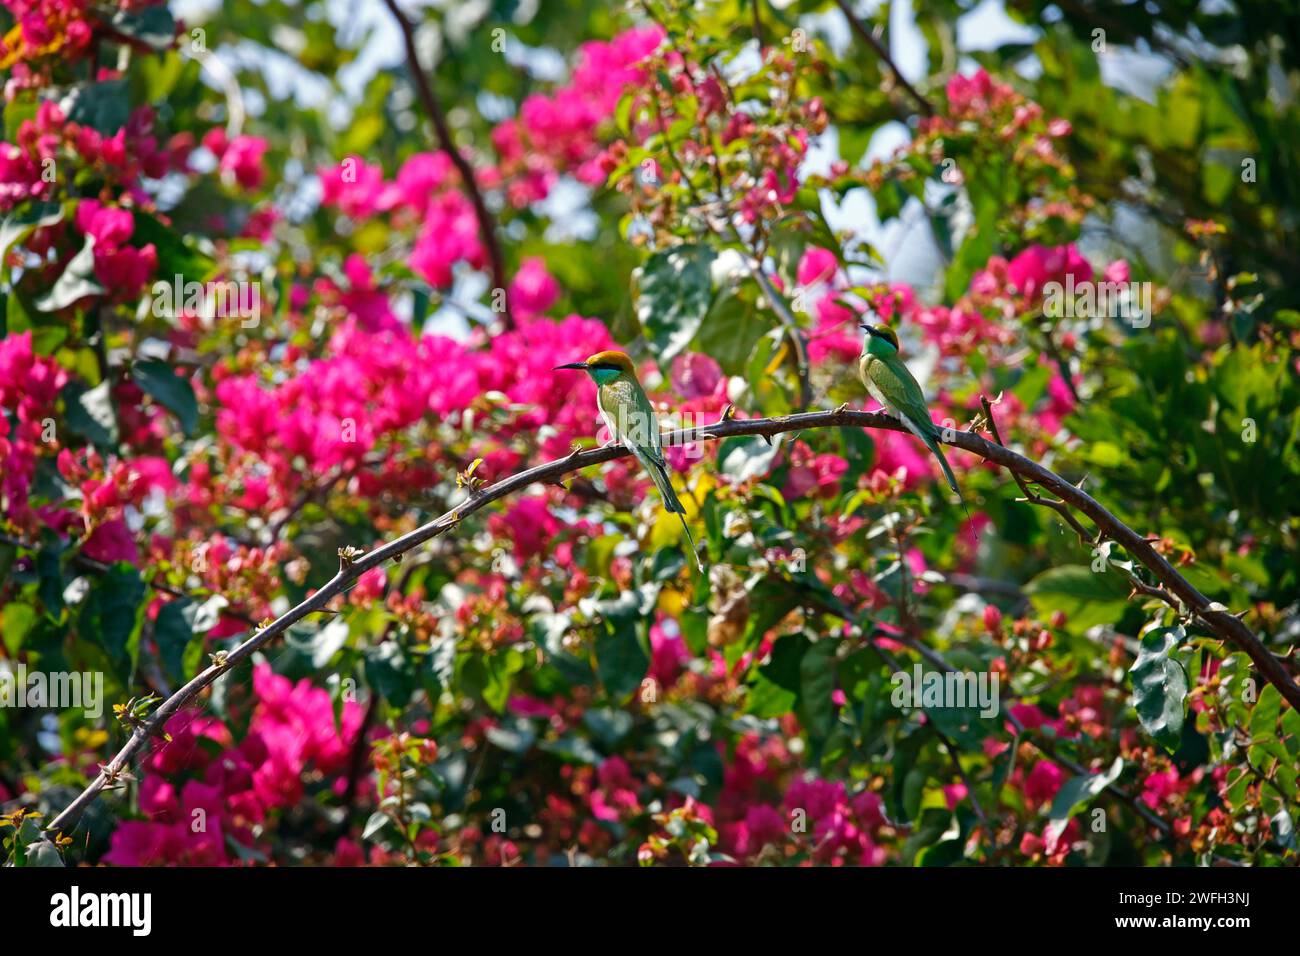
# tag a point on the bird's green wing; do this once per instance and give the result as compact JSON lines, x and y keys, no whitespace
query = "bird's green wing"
{"x":631,"y":417}
{"x":637,"y":427}
{"x":892,"y":380}
{"x":891,"y":377}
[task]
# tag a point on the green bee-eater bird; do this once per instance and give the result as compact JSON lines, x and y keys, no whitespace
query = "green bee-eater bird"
{"x":892,"y":385}
{"x":631,"y":420}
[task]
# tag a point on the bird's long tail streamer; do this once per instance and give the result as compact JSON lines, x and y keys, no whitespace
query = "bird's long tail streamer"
{"x":947,"y":473}
{"x":673,"y":504}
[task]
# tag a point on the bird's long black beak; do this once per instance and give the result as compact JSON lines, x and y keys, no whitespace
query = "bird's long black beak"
{"x":580,"y":366}
{"x":868,"y":329}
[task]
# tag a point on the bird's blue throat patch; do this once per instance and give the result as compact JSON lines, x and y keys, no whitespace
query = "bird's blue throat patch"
{"x":882,"y":348}
{"x":603,"y":375}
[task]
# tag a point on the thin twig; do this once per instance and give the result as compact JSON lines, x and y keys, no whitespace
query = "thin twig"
{"x":870,"y":40}
{"x":1062,"y":363}
{"x":351,"y":566}
{"x":793,"y":332}
{"x":357,"y":759}
{"x":1032,"y":497}
{"x":486,"y":222}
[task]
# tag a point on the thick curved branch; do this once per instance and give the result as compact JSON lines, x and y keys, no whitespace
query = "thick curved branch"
{"x":486,"y":222}
{"x":1223,"y":624}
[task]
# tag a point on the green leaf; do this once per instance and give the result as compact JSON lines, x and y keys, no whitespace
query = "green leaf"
{"x":784,"y":667}
{"x":378,"y":820}
{"x":747,"y":457}
{"x":1086,"y":597}
{"x":516,"y":736}
{"x":153,"y":26}
{"x":160,"y":382}
{"x":1263,"y":719}
{"x":172,"y":633}
{"x":816,"y":684}
{"x":1076,"y":794}
{"x":18,"y":111}
{"x":16,"y":620}
{"x":390,"y":673}
{"x":110,"y":618}
{"x":49,"y":568}
{"x":89,"y":413}
{"x":608,"y":724}
{"x":622,"y":656}
{"x":179,"y":625}
{"x":327,"y":642}
{"x":439,"y":667}
{"x":621,"y":661}
{"x":913,"y":789}
{"x":675,"y":290}
{"x":731,"y":330}
{"x":767,"y":699}
{"x":44,"y":853}
{"x":175,"y":256}
{"x":76,"y":282}
{"x":1160,"y":686}
{"x":106,"y":106}
{"x":20,"y":224}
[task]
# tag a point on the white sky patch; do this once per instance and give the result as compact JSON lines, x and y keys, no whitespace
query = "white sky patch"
{"x":988,"y":26}
{"x":907,"y":43}
{"x":568,"y":207}
{"x":1133,"y":72}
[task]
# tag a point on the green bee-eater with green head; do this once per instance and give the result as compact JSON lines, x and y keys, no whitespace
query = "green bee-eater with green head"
{"x":631,"y":420}
{"x":891,"y":384}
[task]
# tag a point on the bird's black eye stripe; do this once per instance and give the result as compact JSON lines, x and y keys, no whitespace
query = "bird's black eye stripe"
{"x":608,"y":367}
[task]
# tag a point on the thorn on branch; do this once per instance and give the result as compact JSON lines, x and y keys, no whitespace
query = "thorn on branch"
{"x":1160,"y":594}
{"x":1030,"y":496}
{"x":467,"y":479}
{"x":132,"y":714}
{"x":115,"y":778}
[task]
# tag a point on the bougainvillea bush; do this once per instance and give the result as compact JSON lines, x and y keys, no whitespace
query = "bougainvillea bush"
{"x":281,"y":285}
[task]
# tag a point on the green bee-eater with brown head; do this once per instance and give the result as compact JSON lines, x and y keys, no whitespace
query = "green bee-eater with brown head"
{"x":632,"y":420}
{"x":891,"y":384}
